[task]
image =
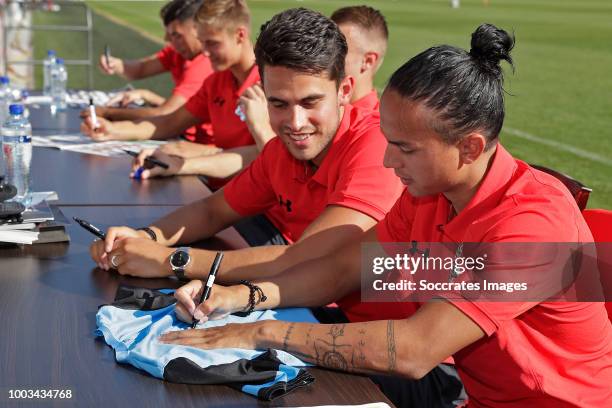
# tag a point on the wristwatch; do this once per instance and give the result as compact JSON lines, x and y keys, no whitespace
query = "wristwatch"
{"x":179,"y":260}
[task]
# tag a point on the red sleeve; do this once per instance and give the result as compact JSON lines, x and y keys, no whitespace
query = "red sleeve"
{"x":197,"y":105}
{"x":526,"y":246}
{"x":397,"y":224}
{"x":165,"y":56}
{"x":363,"y":183}
{"x":250,"y":192}
{"x":194,"y":76}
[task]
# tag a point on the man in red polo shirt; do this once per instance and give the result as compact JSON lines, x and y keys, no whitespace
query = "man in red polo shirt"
{"x":366,"y":34}
{"x":182,"y":57}
{"x":223,"y":28}
{"x":441,"y":114}
{"x":317,"y":185}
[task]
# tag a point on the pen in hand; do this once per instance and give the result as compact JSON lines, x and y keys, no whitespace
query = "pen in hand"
{"x":209,"y":283}
{"x":107,"y":54}
{"x":149,"y":159}
{"x":92,"y":114}
{"x":94,"y":230}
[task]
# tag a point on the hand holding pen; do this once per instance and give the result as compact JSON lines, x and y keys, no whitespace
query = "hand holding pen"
{"x":107,"y":54}
{"x":149,"y":160}
{"x":209,"y":283}
{"x":92,"y":114}
{"x":90,"y":227}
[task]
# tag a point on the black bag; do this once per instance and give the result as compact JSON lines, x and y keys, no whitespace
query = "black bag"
{"x":10,"y":212}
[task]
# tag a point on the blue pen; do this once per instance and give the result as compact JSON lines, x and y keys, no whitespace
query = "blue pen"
{"x":138,"y":173}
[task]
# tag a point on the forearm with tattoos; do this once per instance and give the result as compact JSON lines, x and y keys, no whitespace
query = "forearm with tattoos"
{"x":355,"y":347}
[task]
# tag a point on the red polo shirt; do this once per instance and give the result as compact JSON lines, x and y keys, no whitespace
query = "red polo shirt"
{"x":534,"y":354}
{"x":369,"y":101}
{"x":292,"y":196}
{"x":188,"y":76}
{"x":216,"y":102}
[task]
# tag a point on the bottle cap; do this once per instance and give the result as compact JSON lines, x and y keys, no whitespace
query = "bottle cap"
{"x":50,"y":53}
{"x":59,"y":61}
{"x":16,"y":109}
{"x":4,"y":80}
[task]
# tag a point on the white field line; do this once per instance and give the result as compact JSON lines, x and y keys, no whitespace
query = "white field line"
{"x":559,"y":146}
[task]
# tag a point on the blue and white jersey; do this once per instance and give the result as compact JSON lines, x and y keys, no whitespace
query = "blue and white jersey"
{"x":134,"y":322}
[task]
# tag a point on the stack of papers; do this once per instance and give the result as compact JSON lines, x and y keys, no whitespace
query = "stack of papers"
{"x":41,"y":223}
{"x":78,"y":98}
{"x":83,"y":144}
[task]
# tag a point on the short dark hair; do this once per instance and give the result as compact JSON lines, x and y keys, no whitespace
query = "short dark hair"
{"x":464,"y":89}
{"x":302,"y":40}
{"x":365,"y":17}
{"x":179,"y":10}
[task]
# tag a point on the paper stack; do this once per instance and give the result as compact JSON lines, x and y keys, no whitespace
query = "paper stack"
{"x":41,"y":223}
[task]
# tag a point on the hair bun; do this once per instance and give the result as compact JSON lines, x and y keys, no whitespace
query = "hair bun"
{"x":490,"y":45}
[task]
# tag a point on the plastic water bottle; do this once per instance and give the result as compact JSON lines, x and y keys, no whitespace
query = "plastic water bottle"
{"x":17,"y":153}
{"x":59,"y":80}
{"x":5,"y":97}
{"x":48,"y":65}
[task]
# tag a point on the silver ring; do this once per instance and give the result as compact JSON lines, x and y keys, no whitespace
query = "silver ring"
{"x":113,"y":258}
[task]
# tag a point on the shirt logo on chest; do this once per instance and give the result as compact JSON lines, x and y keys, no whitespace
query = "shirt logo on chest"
{"x":286,"y":204}
{"x":219,"y":101}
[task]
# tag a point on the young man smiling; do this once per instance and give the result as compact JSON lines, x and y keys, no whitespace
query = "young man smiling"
{"x":319,"y":184}
{"x":223,"y":29}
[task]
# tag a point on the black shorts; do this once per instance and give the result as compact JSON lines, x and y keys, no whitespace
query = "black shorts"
{"x":259,"y":231}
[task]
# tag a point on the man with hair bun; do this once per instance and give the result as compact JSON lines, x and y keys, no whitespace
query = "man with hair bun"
{"x":366,"y":35}
{"x":442,"y":113}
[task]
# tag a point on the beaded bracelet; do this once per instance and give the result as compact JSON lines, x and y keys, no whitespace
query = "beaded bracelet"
{"x":253,"y":289}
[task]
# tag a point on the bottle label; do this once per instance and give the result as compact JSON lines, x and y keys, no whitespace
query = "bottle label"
{"x":24,"y":139}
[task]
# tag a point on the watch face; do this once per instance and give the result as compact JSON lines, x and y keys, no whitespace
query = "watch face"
{"x":179,"y":259}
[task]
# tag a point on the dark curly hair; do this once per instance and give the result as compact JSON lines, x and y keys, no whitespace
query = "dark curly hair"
{"x":302,"y":40}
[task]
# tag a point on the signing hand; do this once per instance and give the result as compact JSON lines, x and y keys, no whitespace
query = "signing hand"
{"x":141,"y":257}
{"x":114,"y":67}
{"x":102,"y":132}
{"x":223,"y":301}
{"x":99,"y":250}
{"x":143,"y":170}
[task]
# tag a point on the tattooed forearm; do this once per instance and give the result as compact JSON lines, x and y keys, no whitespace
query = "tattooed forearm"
{"x":355,"y":347}
{"x":329,"y":353}
{"x":391,"y":345}
{"x":287,"y":334}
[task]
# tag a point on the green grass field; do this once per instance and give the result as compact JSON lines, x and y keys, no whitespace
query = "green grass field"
{"x":559,"y":99}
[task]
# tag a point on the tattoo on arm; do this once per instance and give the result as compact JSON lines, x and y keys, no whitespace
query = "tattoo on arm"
{"x":287,"y":334}
{"x":328,"y":352}
{"x":391,"y":345}
{"x":298,"y":354}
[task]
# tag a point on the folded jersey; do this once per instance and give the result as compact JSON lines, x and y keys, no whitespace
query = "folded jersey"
{"x":132,"y":324}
